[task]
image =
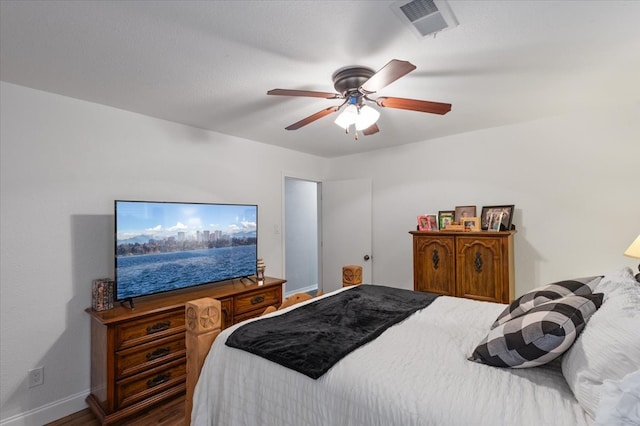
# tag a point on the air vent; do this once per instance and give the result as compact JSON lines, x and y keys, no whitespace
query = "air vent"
{"x":425,"y":17}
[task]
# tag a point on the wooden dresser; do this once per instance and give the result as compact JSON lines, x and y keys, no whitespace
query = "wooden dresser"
{"x":475,"y":265}
{"x":138,"y":357}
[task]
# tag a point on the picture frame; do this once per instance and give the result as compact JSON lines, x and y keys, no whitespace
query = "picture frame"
{"x":427,"y":222}
{"x":497,"y":218}
{"x":471,"y":224}
{"x":445,"y":217}
{"x":464,"y":212}
{"x":495,"y":222}
{"x":433,"y":221}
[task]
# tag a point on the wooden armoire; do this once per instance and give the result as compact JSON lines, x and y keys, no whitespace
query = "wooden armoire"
{"x":475,"y":265}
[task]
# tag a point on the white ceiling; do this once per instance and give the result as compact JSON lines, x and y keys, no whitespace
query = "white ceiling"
{"x":209,"y":64}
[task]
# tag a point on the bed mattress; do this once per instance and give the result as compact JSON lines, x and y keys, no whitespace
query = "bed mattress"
{"x":415,"y":373}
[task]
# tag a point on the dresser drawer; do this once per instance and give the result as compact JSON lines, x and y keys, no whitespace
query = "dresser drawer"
{"x":150,"y":328}
{"x":257,"y":300}
{"x":144,"y":357}
{"x":145,"y":385}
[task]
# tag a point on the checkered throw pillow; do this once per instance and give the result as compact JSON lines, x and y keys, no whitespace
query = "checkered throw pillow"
{"x":540,"y":295}
{"x":539,"y":336}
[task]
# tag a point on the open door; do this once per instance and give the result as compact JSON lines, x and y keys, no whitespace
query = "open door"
{"x":346,"y":230}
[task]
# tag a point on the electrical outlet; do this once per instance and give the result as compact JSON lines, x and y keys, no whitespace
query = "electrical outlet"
{"x":35,"y":377}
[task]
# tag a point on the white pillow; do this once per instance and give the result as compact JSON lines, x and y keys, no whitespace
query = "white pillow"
{"x":609,"y":346}
{"x":620,"y":402}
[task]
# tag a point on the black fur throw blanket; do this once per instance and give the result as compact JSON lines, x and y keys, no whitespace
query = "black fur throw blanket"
{"x":312,"y":338}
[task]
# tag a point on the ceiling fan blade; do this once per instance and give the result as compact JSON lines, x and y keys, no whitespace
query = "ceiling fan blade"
{"x":371,"y":130}
{"x":307,"y":93}
{"x":312,"y":118}
{"x":387,"y":75}
{"x":414,"y":105}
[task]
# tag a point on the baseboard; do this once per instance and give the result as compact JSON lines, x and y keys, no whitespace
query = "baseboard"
{"x":49,"y":412}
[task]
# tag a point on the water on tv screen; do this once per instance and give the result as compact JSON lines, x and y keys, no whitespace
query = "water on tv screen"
{"x":164,"y":246}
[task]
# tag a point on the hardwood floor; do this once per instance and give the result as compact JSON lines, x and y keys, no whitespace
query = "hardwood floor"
{"x":169,"y":414}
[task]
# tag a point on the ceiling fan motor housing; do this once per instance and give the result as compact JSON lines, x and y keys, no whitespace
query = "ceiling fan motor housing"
{"x":349,"y":79}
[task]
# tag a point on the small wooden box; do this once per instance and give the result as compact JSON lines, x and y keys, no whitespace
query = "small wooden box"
{"x":351,"y":275}
{"x":102,"y":294}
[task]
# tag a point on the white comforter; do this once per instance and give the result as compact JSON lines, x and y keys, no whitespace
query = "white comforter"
{"x":416,"y":373}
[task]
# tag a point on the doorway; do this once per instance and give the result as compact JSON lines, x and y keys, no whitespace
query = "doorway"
{"x":302,"y":235}
{"x":326,"y":225}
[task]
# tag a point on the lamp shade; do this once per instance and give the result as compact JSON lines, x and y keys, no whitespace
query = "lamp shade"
{"x":634,"y":249}
{"x":347,"y":117}
{"x":367,"y":116}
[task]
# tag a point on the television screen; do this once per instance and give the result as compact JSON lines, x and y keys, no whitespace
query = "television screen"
{"x":163,"y":246}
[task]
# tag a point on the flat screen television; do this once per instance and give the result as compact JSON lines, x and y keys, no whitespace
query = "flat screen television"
{"x":165,"y":246}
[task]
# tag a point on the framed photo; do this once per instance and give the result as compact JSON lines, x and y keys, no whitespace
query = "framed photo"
{"x":471,"y":223}
{"x":497,"y":218}
{"x":427,"y":222}
{"x":446,"y":217}
{"x":463,"y":212}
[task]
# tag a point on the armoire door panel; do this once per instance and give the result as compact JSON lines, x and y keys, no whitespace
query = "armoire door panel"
{"x":434,"y":269}
{"x":478,"y":269}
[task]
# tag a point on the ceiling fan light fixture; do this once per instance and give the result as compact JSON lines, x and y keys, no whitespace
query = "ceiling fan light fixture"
{"x":347,"y":117}
{"x":355,"y":84}
{"x":367,"y":117}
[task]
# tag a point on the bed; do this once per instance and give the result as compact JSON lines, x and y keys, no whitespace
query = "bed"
{"x":424,"y":370}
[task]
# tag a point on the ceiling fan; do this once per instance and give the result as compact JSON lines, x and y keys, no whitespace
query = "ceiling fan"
{"x":355,"y":84}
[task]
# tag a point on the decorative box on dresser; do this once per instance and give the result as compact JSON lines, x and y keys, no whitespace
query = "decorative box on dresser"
{"x":138,"y":356}
{"x":475,"y":265}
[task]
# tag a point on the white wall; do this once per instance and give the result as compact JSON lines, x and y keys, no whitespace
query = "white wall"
{"x":573,"y":180}
{"x":64,"y":161}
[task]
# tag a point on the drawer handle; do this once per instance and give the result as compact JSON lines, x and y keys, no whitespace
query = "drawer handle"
{"x":159,"y":326}
{"x":257,"y":299}
{"x":158,"y":353}
{"x":158,"y":380}
{"x":435,"y":259}
{"x":478,"y":262}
